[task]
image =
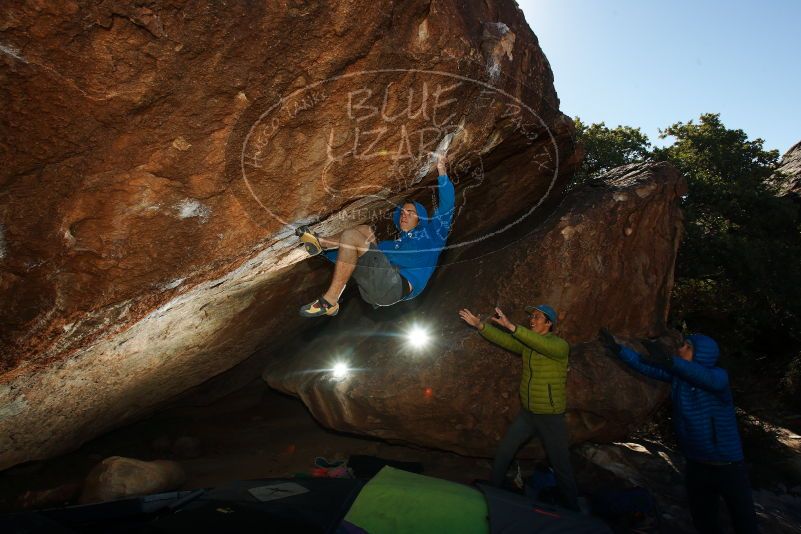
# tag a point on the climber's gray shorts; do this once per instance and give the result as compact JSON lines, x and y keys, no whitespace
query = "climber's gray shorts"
{"x":380,"y":283}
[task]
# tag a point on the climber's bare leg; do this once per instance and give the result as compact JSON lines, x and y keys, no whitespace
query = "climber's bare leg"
{"x":331,"y":241}
{"x":352,"y":243}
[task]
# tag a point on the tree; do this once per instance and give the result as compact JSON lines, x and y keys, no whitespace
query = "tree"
{"x":738,"y":272}
{"x":607,"y":148}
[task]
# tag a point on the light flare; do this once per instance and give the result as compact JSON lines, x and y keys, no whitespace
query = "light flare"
{"x":340,"y":370}
{"x":418,"y":337}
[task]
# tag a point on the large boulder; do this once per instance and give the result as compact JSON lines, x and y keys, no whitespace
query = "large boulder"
{"x":155,"y":160}
{"x":604,"y":258}
{"x":118,"y":477}
{"x":788,"y":175}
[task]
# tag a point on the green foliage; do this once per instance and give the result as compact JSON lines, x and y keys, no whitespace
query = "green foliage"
{"x":608,"y":148}
{"x":738,"y":274}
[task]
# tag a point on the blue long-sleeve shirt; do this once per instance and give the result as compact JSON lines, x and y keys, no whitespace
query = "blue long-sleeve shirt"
{"x":416,"y":252}
{"x":703,"y":406}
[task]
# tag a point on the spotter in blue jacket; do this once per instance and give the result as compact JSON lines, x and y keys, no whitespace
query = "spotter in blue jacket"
{"x":703,"y":407}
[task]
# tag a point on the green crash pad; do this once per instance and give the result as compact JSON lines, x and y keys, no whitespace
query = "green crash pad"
{"x":399,"y":501}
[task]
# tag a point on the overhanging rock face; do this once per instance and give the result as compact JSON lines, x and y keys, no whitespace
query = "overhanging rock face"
{"x":604,"y":258}
{"x":156,"y":160}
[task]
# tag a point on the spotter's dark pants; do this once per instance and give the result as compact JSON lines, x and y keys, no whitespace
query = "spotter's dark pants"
{"x":552,"y":430}
{"x":707,"y":483}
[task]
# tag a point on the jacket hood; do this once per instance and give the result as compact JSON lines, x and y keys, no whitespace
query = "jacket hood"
{"x":705,"y":350}
{"x":422,"y":214}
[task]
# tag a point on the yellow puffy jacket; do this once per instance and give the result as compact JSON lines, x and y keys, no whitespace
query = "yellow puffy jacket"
{"x":542,"y":386}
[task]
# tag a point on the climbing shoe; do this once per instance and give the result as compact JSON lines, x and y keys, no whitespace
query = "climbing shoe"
{"x":318,"y":308}
{"x":309,"y":240}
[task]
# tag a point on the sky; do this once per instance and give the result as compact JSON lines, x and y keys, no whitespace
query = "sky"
{"x":650,"y":64}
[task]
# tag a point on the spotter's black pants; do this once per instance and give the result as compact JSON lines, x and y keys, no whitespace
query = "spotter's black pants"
{"x":707,"y":483}
{"x":552,"y":431}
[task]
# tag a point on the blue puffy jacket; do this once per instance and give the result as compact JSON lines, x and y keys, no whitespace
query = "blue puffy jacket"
{"x":416,"y":252}
{"x":703,"y":408}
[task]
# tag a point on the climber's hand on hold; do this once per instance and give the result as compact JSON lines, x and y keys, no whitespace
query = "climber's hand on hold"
{"x":442,"y":169}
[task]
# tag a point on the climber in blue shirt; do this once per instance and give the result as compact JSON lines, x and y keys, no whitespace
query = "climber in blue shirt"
{"x":386,"y":272}
{"x":705,"y":424}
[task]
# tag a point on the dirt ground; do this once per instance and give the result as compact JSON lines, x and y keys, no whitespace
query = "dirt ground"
{"x":257,"y":433}
{"x":253,"y":433}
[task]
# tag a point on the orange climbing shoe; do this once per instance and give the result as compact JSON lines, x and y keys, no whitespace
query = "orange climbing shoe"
{"x":318,"y":308}
{"x":309,"y":240}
